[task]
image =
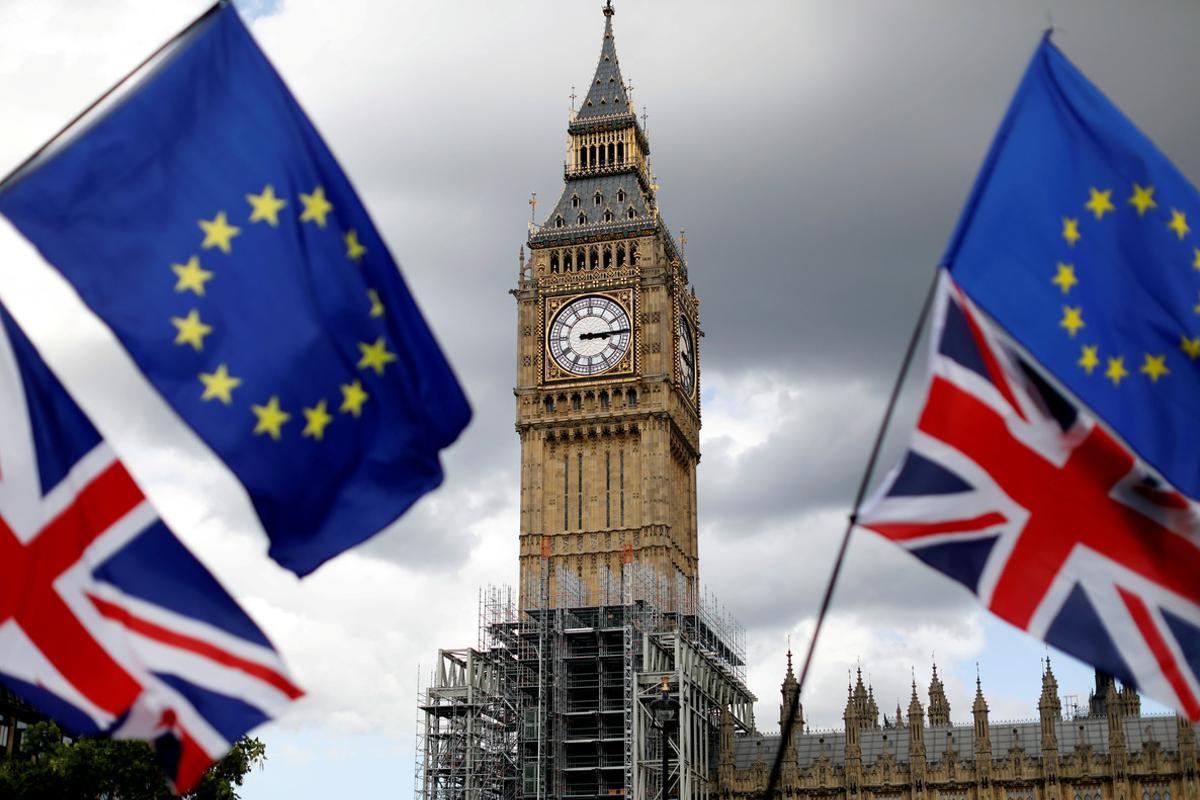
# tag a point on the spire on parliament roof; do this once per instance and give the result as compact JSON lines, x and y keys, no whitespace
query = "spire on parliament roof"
{"x":607,"y":95}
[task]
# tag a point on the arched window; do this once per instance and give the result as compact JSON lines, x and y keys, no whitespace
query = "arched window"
{"x":620,"y":152}
{"x":558,"y":221}
{"x":633,"y":255}
{"x":574,"y":201}
{"x":620,"y":194}
{"x":593,"y":258}
{"x":567,"y":261}
{"x":582,"y":219}
{"x":580,"y":258}
{"x":607,"y":217}
{"x":631,"y":398}
{"x":620,"y":256}
{"x":554,"y":262}
{"x":612,"y":152}
{"x":603,"y":398}
{"x":600,"y":153}
{"x":576,"y":402}
{"x":607,"y":255}
{"x":631,"y":213}
{"x":592,"y":150}
{"x":549,"y":403}
{"x":599,"y":198}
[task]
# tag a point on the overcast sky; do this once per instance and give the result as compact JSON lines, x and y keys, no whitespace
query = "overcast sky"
{"x":817,"y":155}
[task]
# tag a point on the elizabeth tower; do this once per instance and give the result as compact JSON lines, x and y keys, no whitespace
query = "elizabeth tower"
{"x":607,"y":370}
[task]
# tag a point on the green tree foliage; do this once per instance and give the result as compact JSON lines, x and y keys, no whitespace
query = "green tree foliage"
{"x":47,"y":768}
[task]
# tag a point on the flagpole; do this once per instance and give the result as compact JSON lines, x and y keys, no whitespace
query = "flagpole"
{"x":785,"y":735}
{"x":12,"y":175}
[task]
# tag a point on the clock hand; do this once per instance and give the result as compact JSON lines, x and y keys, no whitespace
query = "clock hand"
{"x":601,"y":334}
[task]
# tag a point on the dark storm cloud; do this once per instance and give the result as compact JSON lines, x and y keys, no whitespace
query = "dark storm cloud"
{"x":818,"y":157}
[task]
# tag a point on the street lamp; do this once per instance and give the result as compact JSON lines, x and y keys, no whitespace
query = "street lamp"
{"x":664,"y":715}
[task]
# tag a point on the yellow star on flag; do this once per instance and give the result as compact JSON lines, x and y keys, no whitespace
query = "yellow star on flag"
{"x":376,"y":303}
{"x":1089,"y":360}
{"x":270,"y":418}
{"x":191,"y":276}
{"x":219,"y":385}
{"x":218,"y":232}
{"x":1072,"y":319}
{"x":1196,"y":257}
{"x":317,"y":419}
{"x":316,"y":207}
{"x":1070,"y":231}
{"x":1154,"y":367}
{"x":190,"y":330}
{"x":266,"y":206}
{"x":1178,"y":223}
{"x":1100,"y":202}
{"x":375,"y":356}
{"x":1116,"y":370}
{"x":1143,"y":199}
{"x":1065,"y":277}
{"x":354,"y":249}
{"x":1190,"y":346}
{"x":353,"y":397}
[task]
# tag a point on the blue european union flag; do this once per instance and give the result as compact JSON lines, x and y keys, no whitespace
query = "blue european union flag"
{"x":204,"y":220}
{"x":1083,"y":241}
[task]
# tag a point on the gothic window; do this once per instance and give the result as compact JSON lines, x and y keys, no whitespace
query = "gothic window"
{"x":631,"y":398}
{"x":607,"y":475}
{"x":599,"y":198}
{"x":554,"y":256}
{"x":576,"y":402}
{"x":607,"y":218}
{"x":549,"y":402}
{"x":612,"y":152}
{"x":582,"y":219}
{"x":620,"y":152}
{"x":620,"y":193}
{"x":580,"y":259}
{"x":558,"y":221}
{"x":1156,"y":792}
{"x":1019,"y":793}
{"x":621,"y":487}
{"x":574,"y":201}
{"x":631,"y":213}
{"x":567,"y":261}
{"x":600,"y":151}
{"x":633,"y":255}
{"x":620,"y":256}
{"x":593,"y":258}
{"x":603,"y":399}
{"x":607,"y":250}
{"x":592,"y":150}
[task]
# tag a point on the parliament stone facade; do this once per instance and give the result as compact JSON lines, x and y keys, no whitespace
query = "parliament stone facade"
{"x":1108,"y":752}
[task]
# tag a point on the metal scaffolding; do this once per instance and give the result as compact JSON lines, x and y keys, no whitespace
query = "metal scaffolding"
{"x":554,"y":702}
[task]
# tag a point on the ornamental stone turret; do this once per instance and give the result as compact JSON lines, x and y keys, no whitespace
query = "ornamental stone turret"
{"x":1050,"y":713}
{"x":853,"y":754}
{"x":916,"y":742}
{"x":790,"y":690}
{"x":939,"y":706}
{"x":983,"y":739}
{"x":1117,"y":749}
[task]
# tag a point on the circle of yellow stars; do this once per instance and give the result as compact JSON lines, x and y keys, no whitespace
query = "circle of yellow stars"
{"x":1154,"y":365}
{"x":191,"y":330}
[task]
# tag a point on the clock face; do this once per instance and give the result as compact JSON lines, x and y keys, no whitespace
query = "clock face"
{"x":686,"y":358}
{"x":589,"y":335}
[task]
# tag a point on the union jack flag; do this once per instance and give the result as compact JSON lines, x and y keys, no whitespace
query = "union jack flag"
{"x":107,"y":622}
{"x":1015,"y":492}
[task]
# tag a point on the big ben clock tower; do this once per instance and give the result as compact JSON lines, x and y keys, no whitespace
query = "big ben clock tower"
{"x":608,"y":399}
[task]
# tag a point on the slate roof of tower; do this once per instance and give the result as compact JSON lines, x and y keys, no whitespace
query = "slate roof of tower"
{"x":607,"y":94}
{"x":610,"y":187}
{"x":961,"y":738}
